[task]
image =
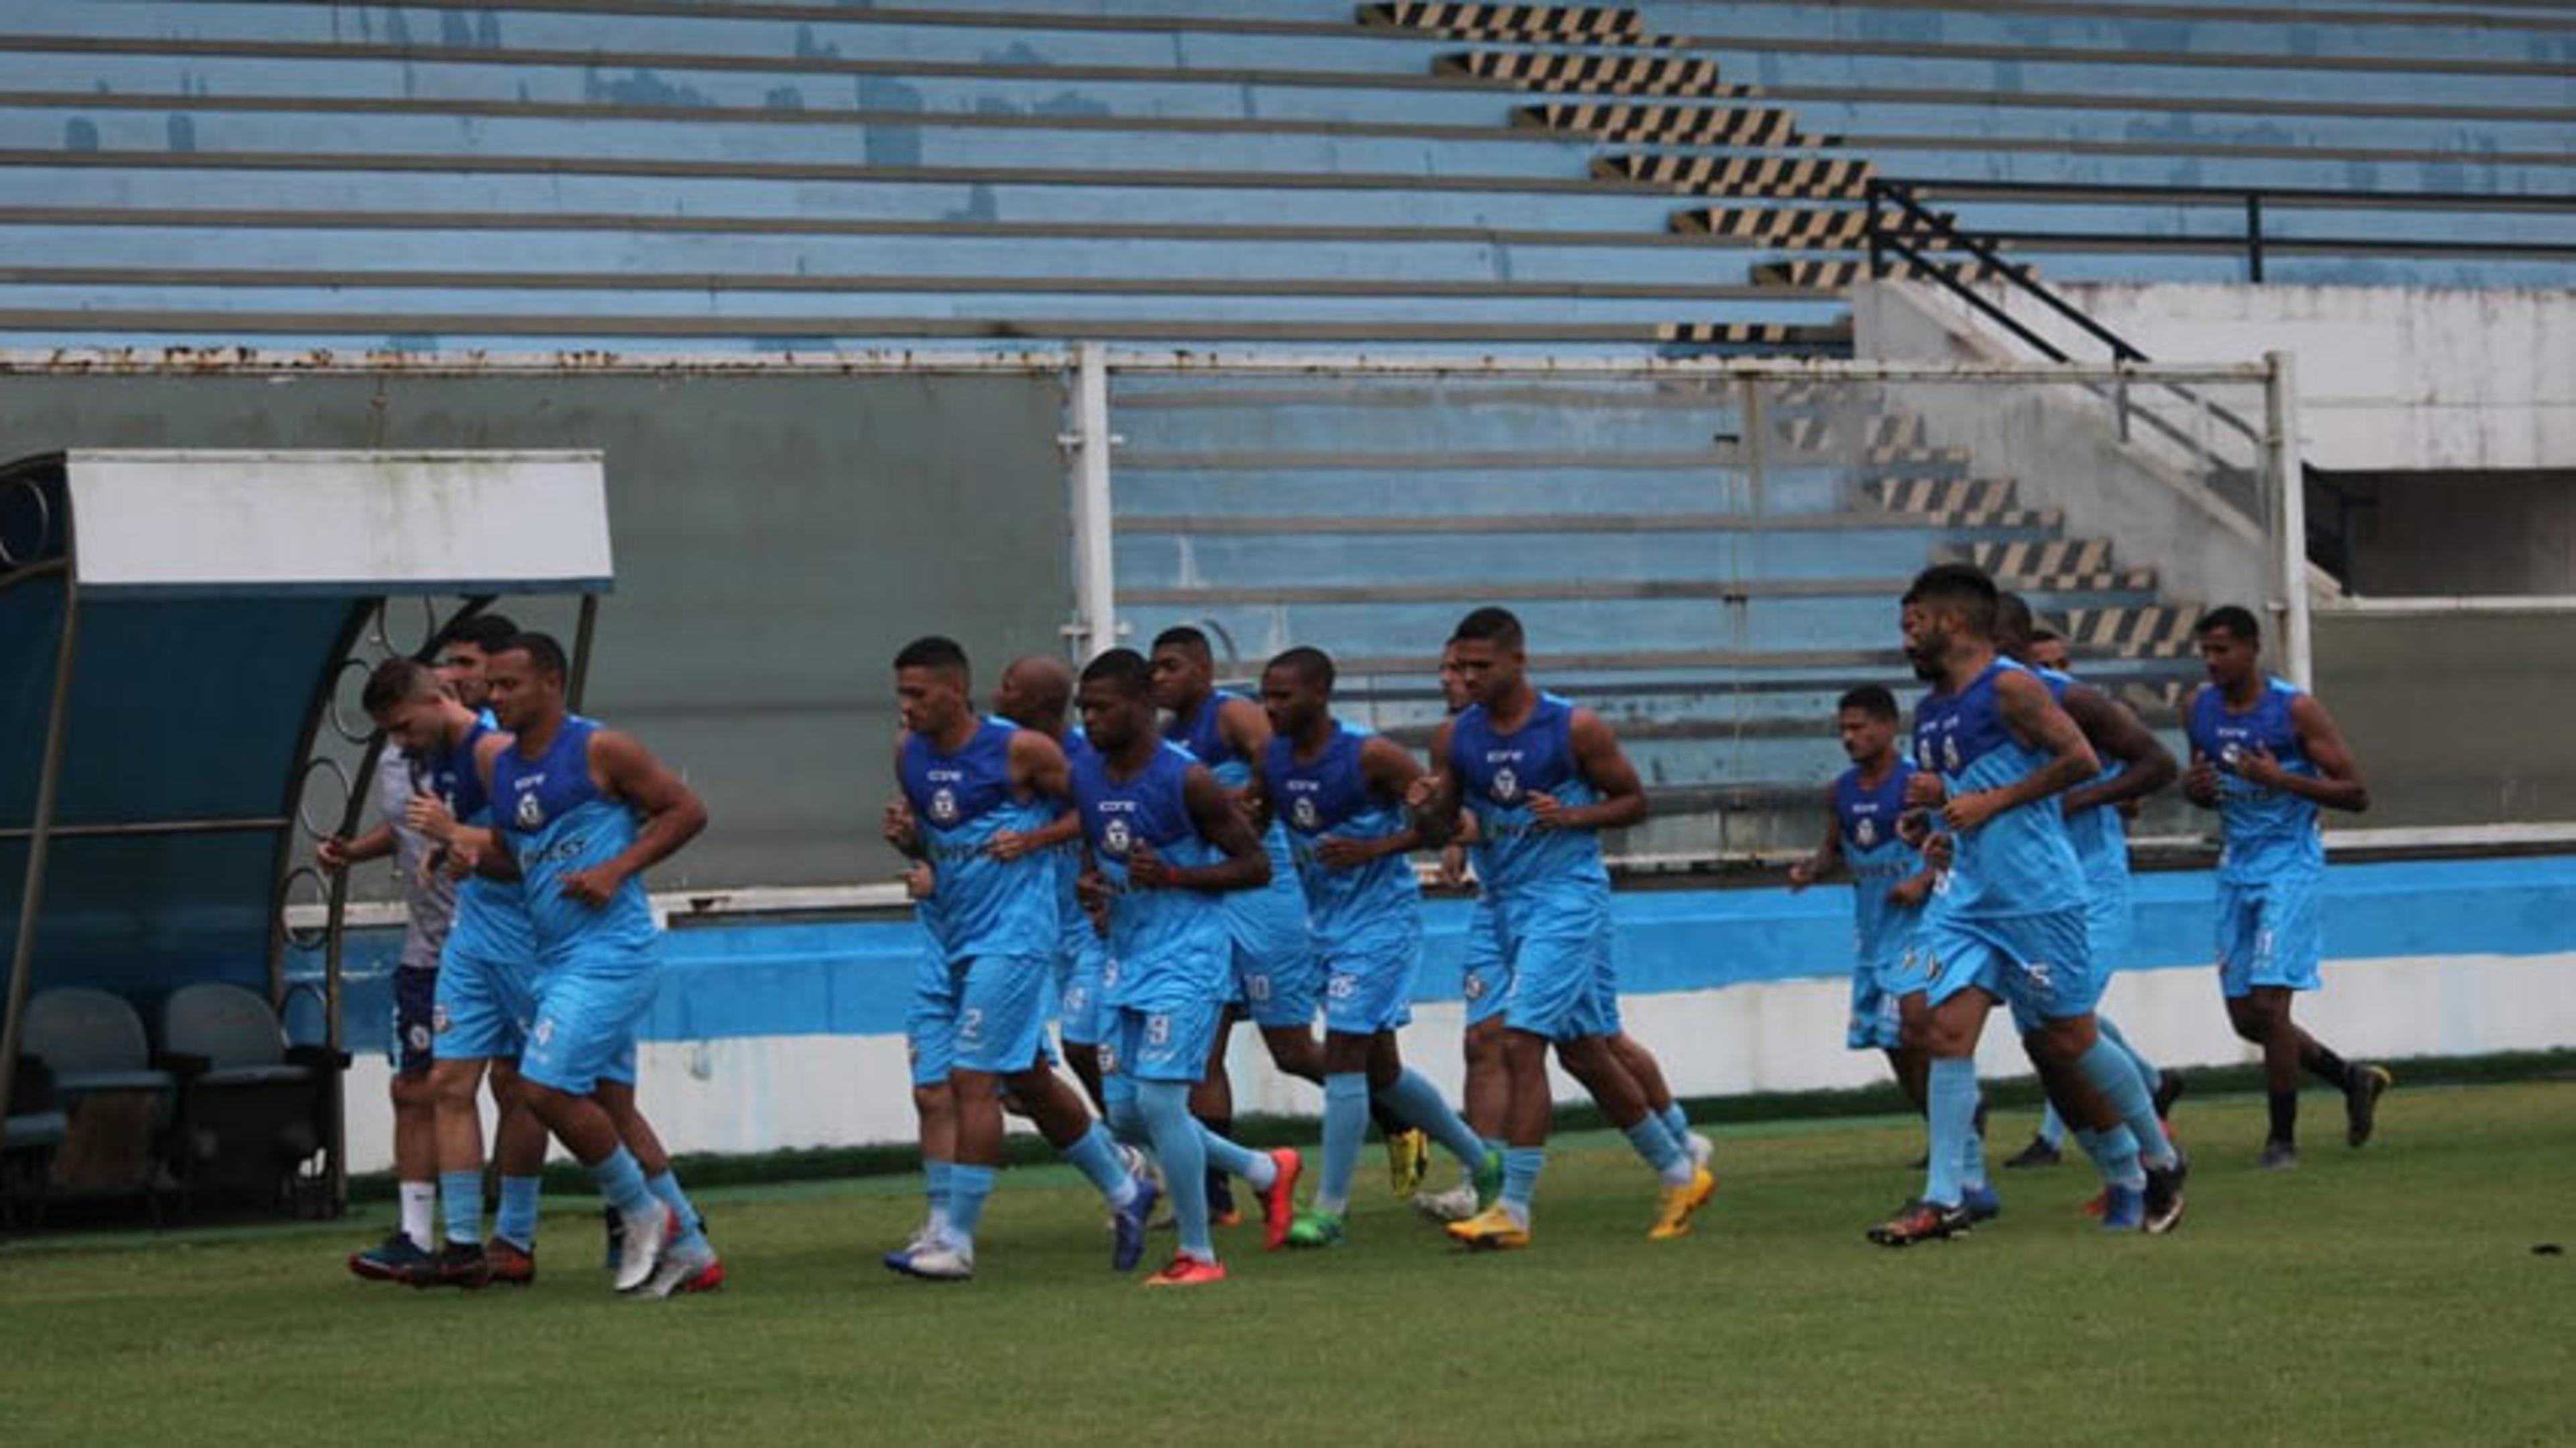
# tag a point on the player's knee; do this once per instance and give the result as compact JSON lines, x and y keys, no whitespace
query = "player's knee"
{"x":452,"y":1085}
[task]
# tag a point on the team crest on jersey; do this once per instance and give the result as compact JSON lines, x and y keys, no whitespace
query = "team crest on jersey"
{"x":943,"y":805}
{"x":1950,"y":752}
{"x":1116,"y":837}
{"x":2232,"y":755}
{"x":438,"y":1020}
{"x":532,"y":815}
{"x":1866,"y":832}
{"x":1303,"y":813}
{"x":1507,"y":785}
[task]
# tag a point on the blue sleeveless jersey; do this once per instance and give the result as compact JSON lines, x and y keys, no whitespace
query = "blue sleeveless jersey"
{"x":1377,"y":903}
{"x":1074,"y":934}
{"x":491,"y":915}
{"x":1497,"y":773}
{"x":2269,"y":832}
{"x":1168,"y":945}
{"x":979,"y":907}
{"x":1877,"y":859}
{"x":558,"y":824}
{"x":2099,"y":835}
{"x":2020,"y":862}
{"x":1259,"y":918}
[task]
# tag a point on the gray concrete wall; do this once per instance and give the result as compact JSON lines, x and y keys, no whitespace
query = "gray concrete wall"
{"x":2455,"y":717}
{"x":2461,"y":533}
{"x":777,"y":539}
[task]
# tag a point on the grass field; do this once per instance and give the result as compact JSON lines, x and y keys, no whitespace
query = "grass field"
{"x":2386,"y":1295}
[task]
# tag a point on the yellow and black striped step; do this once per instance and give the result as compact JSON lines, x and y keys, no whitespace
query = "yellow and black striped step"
{"x":1579,"y":23}
{"x":1753,"y":334}
{"x":2055,"y":565}
{"x":1882,"y":432}
{"x":1821,"y":274}
{"x":1778,"y":178}
{"x":1619,"y":121}
{"x":1960,"y":502}
{"x":1625,"y":75}
{"x":2154,"y":631}
{"x":1801,"y":226}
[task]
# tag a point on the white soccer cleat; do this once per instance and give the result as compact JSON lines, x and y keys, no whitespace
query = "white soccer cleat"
{"x":1701,"y":1149}
{"x":641,"y":1253}
{"x":1454,"y":1205}
{"x":943,"y":1262}
{"x":681,"y":1266}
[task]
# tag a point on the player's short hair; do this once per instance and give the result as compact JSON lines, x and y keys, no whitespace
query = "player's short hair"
{"x":1963,"y":586}
{"x":1312,"y":665}
{"x":490,"y":632}
{"x":1122,"y":669}
{"x":1183,"y":636}
{"x":2041,"y":633}
{"x":2229,"y":618}
{"x":395,"y":680}
{"x":1490,"y":625}
{"x":933,"y":651}
{"x":543,"y":652}
{"x":1871,"y":699}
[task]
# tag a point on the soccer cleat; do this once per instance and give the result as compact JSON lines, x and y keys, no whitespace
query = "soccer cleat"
{"x":1454,"y":1205}
{"x":458,"y":1264}
{"x":2363,"y":1085}
{"x":1920,"y":1221}
{"x":1981,"y":1203}
{"x":1279,"y":1199}
{"x":1702,"y":1150}
{"x":2279,"y":1155}
{"x":696,"y":1268}
{"x":1408,"y":1160}
{"x":1127,"y":1226}
{"x":2164,"y":1196}
{"x":942,"y":1262}
{"x":615,"y":1227}
{"x":2124,"y":1209}
{"x":1187,"y":1271}
{"x":512,"y":1265}
{"x":2169,"y":1089}
{"x":1674,"y":1206}
{"x":2038,"y":1153}
{"x":1494,"y":1229}
{"x":1317,"y":1229}
{"x":2097,"y":1203}
{"x":389,"y":1260}
{"x":900,"y":1259}
{"x":641,"y":1252}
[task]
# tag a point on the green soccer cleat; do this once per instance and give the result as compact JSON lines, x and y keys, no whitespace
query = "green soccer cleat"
{"x":1317,"y":1229}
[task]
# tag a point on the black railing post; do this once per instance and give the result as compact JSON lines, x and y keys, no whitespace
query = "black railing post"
{"x":1875,"y":230}
{"x":2254,"y":235}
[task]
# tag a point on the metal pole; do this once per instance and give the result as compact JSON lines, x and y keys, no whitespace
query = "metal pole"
{"x":2254,"y":236}
{"x":1094,"y":572}
{"x":31,"y":892}
{"x":2281,"y":419}
{"x":581,"y":635}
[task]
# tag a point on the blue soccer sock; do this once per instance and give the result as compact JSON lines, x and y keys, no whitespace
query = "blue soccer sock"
{"x":2148,"y":1075}
{"x":621,"y":1181}
{"x":935,"y":1174}
{"x":1972,"y":1159}
{"x":968,"y":1186}
{"x":1418,"y":1103}
{"x":460,"y":1205}
{"x":517,"y":1224}
{"x":1677,"y":1122}
{"x":1096,"y":1157}
{"x":665,"y":1188}
{"x":1661,"y":1149}
{"x":1126,"y":1118}
{"x":1223,"y":1154}
{"x":2114,"y":1073}
{"x":1181,"y":1143}
{"x":2052,"y":1127}
{"x":2115,"y":1155}
{"x":1346,"y":1115}
{"x":1950,"y":1109}
{"x":1520,"y":1179}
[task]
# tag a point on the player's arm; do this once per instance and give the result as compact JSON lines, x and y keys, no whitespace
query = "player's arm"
{"x":2116,"y":733}
{"x":2337,"y":784}
{"x":1598,"y":755}
{"x":335,"y":853}
{"x":1388,"y":769}
{"x":1040,"y":770}
{"x":2200,"y":781}
{"x":898,"y":827}
{"x":673,"y":814}
{"x":1432,"y":799}
{"x":2035,"y":719}
{"x":1828,"y":858}
{"x":1246,"y":865}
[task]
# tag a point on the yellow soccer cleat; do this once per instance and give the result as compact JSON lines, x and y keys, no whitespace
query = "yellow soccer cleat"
{"x":1673,"y":1209}
{"x":1408,"y":1161}
{"x":1491,"y":1230}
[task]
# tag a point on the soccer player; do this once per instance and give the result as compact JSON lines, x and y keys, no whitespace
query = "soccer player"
{"x":1543,"y":779}
{"x":2007,"y":922}
{"x":579,"y":812}
{"x":1340,"y":790}
{"x":1277,"y":978}
{"x":1035,"y":692}
{"x":1889,"y":879}
{"x":1165,"y":843}
{"x":429,"y":897}
{"x":2134,"y":766}
{"x":977,"y":791}
{"x":2267,"y":756}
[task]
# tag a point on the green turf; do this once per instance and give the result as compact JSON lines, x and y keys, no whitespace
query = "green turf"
{"x":2387,"y":1295}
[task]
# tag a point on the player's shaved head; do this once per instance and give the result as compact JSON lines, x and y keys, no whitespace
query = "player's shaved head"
{"x":1185,"y":638}
{"x":1034,"y":692}
{"x":1313,"y":667}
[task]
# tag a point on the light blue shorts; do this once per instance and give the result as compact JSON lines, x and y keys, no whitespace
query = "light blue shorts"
{"x":2107,"y":927}
{"x":483,"y":1006}
{"x":1080,"y":974}
{"x":1877,"y":1019}
{"x":1163,"y":1042}
{"x":1564,"y":985}
{"x":2269,"y":935}
{"x":988,"y":1014}
{"x":588,"y":1008}
{"x":1368,"y":985}
{"x":1487,"y":974}
{"x":1279,"y":986}
{"x":2040,"y":965}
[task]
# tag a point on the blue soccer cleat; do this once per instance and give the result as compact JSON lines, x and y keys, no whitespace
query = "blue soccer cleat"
{"x":1127,"y":1226}
{"x":1981,"y":1204}
{"x":2124,"y":1209}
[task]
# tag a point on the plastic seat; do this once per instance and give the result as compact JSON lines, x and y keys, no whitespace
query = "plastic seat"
{"x":253,"y":1110}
